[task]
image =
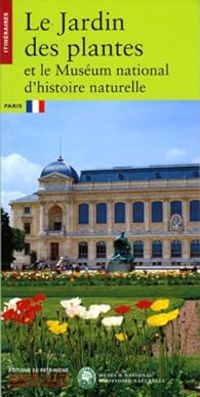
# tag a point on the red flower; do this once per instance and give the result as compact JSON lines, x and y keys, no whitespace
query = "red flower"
{"x":25,"y":317}
{"x":39,"y":298}
{"x":26,"y":310}
{"x":122,"y":309}
{"x":9,"y":314}
{"x":144,"y":304}
{"x":31,"y":303}
{"x":36,"y":308}
{"x":24,"y":304}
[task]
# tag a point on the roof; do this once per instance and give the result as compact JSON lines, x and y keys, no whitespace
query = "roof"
{"x":59,"y":167}
{"x":154,"y":172}
{"x":26,"y":199}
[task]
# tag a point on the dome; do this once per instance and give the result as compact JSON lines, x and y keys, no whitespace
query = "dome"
{"x":59,"y":167}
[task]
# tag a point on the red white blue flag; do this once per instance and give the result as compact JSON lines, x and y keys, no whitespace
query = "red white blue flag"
{"x":35,"y":106}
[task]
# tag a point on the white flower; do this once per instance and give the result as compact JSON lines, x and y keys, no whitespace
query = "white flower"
{"x":112,"y":321}
{"x":90,"y":314}
{"x":11,"y":304}
{"x":100,"y":308}
{"x":70,"y":302}
{"x":73,"y":311}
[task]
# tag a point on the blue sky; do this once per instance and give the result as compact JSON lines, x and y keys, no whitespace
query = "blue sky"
{"x":97,"y":134}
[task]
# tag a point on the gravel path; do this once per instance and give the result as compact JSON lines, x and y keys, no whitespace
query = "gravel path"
{"x":190,"y":327}
{"x":186,"y":329}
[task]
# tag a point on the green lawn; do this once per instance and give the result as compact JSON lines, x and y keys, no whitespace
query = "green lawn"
{"x":129,"y":291}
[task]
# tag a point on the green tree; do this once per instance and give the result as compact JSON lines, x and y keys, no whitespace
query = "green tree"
{"x":11,"y":239}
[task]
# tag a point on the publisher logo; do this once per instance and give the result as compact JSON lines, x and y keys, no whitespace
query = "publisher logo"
{"x":86,"y":378}
{"x":6,"y":32}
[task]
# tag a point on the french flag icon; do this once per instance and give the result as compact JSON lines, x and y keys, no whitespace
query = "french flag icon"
{"x":35,"y":106}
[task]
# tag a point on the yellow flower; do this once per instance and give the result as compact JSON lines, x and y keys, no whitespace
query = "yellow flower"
{"x":121,"y":337}
{"x":159,"y":320}
{"x":160,"y":304}
{"x":173,"y":314}
{"x":56,"y":327}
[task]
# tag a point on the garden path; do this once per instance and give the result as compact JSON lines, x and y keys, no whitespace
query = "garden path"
{"x":187,"y":329}
{"x":190,"y":336}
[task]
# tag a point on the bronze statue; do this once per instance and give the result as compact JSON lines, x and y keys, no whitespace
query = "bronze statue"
{"x":122,"y":250}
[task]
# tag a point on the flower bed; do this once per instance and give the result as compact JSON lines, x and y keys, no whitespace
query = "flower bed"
{"x":172,"y":277}
{"x":77,"y":337}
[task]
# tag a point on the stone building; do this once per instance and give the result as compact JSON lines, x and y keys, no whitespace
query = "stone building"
{"x":158,"y":207}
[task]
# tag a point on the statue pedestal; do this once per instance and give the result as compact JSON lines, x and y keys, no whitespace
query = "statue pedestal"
{"x":119,"y":267}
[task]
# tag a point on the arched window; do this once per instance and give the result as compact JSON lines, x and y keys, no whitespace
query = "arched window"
{"x":195,"y":249}
{"x":119,"y":213}
{"x":157,"y":249}
{"x":138,"y":212}
{"x":83,"y":249}
{"x":101,"y":213}
{"x":55,"y":218}
{"x":157,"y":211}
{"x":83,"y":214}
{"x":176,"y":249}
{"x":138,"y":249}
{"x":195,"y":210}
{"x":101,"y":249}
{"x":176,"y":207}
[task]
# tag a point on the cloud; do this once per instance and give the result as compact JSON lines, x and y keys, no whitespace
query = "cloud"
{"x":7,"y":196}
{"x":174,"y":154}
{"x":18,"y":172}
{"x":19,"y":178}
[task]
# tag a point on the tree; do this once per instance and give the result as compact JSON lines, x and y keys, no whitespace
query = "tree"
{"x":11,"y":239}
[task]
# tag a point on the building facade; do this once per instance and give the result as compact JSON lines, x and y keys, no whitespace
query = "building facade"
{"x":158,"y":207}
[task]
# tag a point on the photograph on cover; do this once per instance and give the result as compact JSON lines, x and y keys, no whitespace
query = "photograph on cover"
{"x":101,"y":249}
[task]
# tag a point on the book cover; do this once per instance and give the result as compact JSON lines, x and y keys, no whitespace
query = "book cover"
{"x":100,"y":198}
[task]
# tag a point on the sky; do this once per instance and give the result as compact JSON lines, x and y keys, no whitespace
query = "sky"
{"x":97,"y":134}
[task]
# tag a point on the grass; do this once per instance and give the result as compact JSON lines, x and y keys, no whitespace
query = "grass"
{"x":129,"y":291}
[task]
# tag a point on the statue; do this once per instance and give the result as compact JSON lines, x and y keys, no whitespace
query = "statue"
{"x":122,"y":259}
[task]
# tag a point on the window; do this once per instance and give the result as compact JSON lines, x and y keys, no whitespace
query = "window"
{"x":27,"y":228}
{"x":157,"y":249}
{"x":54,"y":251}
{"x":101,"y":213}
{"x":157,"y":175}
{"x":83,"y":214}
{"x":176,"y":208}
{"x":83,"y":249}
{"x":55,"y":217}
{"x":195,"y":248}
{"x":101,"y":249}
{"x":157,"y":211}
{"x":138,"y":249}
{"x":57,"y":226}
{"x":27,"y":249}
{"x":27,"y":210}
{"x":195,"y":211}
{"x":119,"y":213}
{"x":138,"y":212}
{"x":176,"y":249}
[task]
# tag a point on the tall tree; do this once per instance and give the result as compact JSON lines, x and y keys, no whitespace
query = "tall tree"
{"x":11,"y":239}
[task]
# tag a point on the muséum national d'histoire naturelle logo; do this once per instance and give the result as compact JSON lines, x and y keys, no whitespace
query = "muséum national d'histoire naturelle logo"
{"x":86,"y":378}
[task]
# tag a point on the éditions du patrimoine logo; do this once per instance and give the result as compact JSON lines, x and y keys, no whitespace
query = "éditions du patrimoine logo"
{"x":86,"y":378}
